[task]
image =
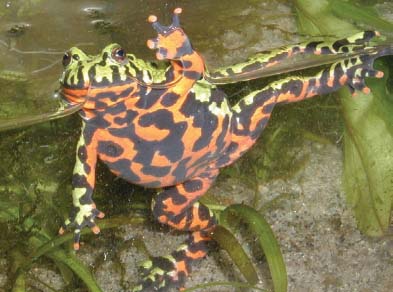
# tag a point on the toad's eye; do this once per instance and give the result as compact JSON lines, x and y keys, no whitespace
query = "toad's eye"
{"x":119,"y":55}
{"x":67,"y":59}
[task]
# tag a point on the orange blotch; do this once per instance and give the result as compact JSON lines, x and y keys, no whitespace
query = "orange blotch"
{"x":271,"y":64}
{"x":330,"y":81}
{"x":181,"y":267}
{"x":179,"y":226}
{"x":343,"y":79}
{"x":196,"y":221}
{"x":195,"y":255}
{"x":151,"y":133}
{"x":172,"y":207}
{"x":160,"y":160}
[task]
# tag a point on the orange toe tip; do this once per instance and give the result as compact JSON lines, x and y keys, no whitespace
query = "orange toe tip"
{"x":366,"y":90}
{"x":178,"y":10}
{"x":96,"y":229}
{"x":101,"y":215}
{"x":76,"y":246}
{"x":152,"y":18}
{"x":379,"y":74}
{"x":159,"y":56}
{"x":61,"y":231}
{"x":377,"y":33}
{"x":150,"y":44}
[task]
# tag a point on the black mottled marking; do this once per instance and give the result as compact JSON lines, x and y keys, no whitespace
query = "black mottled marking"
{"x":311,"y":47}
{"x":368,"y":35}
{"x":116,"y":109}
{"x":123,"y":167}
{"x":100,"y":104}
{"x":248,"y":111}
{"x":82,"y":153}
{"x":157,"y":171}
{"x":128,"y":119}
{"x":82,"y":156}
{"x":110,"y":148}
{"x":251,"y":67}
{"x":146,"y":101}
{"x":340,"y":43}
{"x":312,"y":84}
{"x":217,"y":74}
{"x":163,"y":51}
{"x":278,"y":57}
{"x":221,"y":141}
{"x":203,"y":213}
{"x":353,"y":61}
{"x":203,"y":119}
{"x":81,"y":81}
{"x":192,"y":186}
{"x":194,"y":75}
{"x":261,"y":124}
{"x":185,"y":49}
{"x":296,"y":49}
{"x":267,"y":109}
{"x":113,"y":96}
{"x":171,"y":146}
{"x":186,"y":64}
{"x":294,"y":86}
{"x":134,"y":67}
{"x":338,"y":72}
{"x":324,"y":77}
{"x":169,"y":75}
{"x":230,"y":71}
{"x":173,"y":193}
{"x":79,"y":181}
{"x":88,"y":133}
{"x":86,"y":198}
{"x":325,"y":50}
{"x":169,"y":99}
{"x":194,"y":247}
{"x":181,"y":170}
{"x":115,"y":74}
{"x":99,"y":121}
{"x":163,"y":263}
{"x":345,"y":49}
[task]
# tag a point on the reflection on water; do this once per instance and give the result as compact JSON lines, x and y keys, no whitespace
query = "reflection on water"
{"x":34,"y":35}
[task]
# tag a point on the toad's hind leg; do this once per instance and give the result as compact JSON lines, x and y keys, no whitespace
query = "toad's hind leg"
{"x":177,"y":207}
{"x":251,"y":113}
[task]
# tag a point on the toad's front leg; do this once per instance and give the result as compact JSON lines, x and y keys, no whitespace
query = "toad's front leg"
{"x":83,"y":181}
{"x":177,"y":206}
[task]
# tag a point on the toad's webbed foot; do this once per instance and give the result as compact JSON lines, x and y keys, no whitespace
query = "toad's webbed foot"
{"x":171,"y":43}
{"x":81,"y":217}
{"x":162,"y":274}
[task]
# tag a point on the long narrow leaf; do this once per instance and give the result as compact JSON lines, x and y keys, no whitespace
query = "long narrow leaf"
{"x":261,"y":229}
{"x":228,"y":242}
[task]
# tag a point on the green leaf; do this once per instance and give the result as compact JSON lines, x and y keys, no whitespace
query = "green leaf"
{"x":258,"y":226}
{"x":368,"y":143}
{"x":368,"y":168}
{"x":365,"y":15}
{"x":228,"y":242}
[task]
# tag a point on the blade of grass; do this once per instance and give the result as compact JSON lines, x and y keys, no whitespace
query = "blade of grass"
{"x":229,"y":243}
{"x":259,"y":227}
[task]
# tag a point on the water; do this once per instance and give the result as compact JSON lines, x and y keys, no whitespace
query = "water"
{"x":36,"y":162}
